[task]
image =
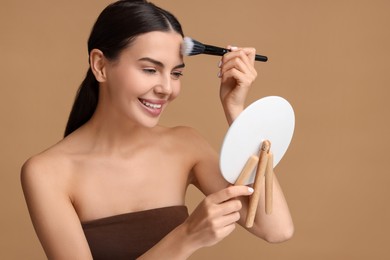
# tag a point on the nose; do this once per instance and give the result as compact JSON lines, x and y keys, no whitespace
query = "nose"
{"x":164,"y":87}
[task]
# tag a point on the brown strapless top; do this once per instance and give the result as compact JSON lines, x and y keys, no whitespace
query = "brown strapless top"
{"x":128,"y":236}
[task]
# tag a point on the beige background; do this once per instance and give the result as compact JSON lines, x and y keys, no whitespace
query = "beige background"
{"x":330,"y":59}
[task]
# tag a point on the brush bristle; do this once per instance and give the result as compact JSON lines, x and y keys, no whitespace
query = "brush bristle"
{"x":191,"y":47}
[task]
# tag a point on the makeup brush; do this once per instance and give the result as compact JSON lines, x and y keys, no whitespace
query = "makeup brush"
{"x":192,"y":47}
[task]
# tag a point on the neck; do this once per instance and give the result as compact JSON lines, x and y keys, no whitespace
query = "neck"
{"x":110,"y":132}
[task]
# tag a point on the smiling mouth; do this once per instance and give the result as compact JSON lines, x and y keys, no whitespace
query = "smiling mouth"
{"x":150,"y":105}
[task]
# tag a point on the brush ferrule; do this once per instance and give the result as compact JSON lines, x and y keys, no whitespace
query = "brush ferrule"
{"x":213,"y":50}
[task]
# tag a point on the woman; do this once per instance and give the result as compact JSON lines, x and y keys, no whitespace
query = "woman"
{"x":114,"y":187}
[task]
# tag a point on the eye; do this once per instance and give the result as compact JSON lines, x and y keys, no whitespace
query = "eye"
{"x":176,"y":74}
{"x":149,"y":70}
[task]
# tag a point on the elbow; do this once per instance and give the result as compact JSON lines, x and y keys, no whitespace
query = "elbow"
{"x":280,"y":236}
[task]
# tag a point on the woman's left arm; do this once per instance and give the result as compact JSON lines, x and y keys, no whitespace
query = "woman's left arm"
{"x":275,"y":227}
{"x":237,"y":74}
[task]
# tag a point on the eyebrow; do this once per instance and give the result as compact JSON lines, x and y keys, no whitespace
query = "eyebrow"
{"x":159,"y":63}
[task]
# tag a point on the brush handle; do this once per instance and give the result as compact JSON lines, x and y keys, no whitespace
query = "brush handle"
{"x":218,"y":51}
{"x":262,"y":58}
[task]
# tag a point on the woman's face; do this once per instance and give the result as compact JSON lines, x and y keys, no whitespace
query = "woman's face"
{"x":145,"y":77}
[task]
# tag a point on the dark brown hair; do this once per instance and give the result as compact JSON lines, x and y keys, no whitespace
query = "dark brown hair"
{"x":115,"y":28}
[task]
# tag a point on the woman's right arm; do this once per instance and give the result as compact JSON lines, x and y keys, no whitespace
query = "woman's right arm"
{"x":52,"y":213}
{"x":212,"y":220}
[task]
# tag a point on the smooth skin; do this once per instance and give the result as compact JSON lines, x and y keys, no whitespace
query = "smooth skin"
{"x":104,"y":168}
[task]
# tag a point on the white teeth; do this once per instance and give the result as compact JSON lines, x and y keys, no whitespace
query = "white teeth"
{"x":154,"y":106}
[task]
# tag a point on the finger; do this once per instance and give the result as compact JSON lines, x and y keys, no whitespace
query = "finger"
{"x":230,"y":206}
{"x":232,"y":48}
{"x":235,"y":62}
{"x":228,"y":220}
{"x":247,"y":51}
{"x":251,"y":54}
{"x":227,"y":230}
{"x":236,"y":58}
{"x":244,"y":72}
{"x":241,"y":78}
{"x":229,"y":193}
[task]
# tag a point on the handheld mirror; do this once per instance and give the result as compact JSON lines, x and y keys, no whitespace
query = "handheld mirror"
{"x":270,"y":118}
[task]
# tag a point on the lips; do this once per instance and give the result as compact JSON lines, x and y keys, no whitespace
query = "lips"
{"x":150,"y":105}
{"x":154,"y":107}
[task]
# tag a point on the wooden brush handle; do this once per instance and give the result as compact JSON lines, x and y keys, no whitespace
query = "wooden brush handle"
{"x":247,"y":170}
{"x":269,"y":184}
{"x":259,"y":182}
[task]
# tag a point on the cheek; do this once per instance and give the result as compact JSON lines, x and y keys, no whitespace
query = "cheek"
{"x":175,"y":91}
{"x":127,"y":83}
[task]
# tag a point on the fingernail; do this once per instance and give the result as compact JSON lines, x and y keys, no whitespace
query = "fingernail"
{"x":251,"y":190}
{"x":219,"y":63}
{"x":233,"y":48}
{"x":219,"y":74}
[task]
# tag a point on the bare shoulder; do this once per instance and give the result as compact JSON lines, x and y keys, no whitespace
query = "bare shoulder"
{"x":187,"y":134}
{"x":187,"y":138}
{"x":45,"y":183}
{"x":45,"y":168}
{"x":190,"y":140}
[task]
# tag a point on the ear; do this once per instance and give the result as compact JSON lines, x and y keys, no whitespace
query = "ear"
{"x":98,"y":64}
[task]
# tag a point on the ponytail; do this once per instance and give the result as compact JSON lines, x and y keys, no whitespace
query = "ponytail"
{"x":85,"y":103}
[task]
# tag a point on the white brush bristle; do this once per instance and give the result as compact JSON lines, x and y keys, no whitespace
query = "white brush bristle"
{"x":191,"y":47}
{"x":187,"y":46}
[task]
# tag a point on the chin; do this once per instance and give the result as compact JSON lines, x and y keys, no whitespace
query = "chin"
{"x":150,"y":123}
